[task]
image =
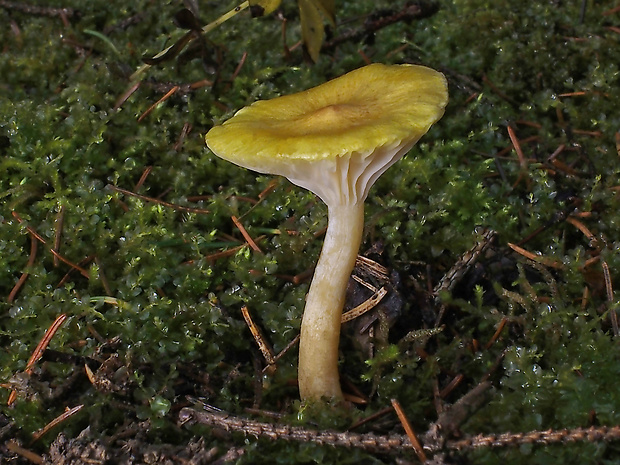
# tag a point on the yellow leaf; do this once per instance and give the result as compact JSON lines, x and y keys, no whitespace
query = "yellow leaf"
{"x":328,"y":8}
{"x":312,"y":31}
{"x":264,"y":7}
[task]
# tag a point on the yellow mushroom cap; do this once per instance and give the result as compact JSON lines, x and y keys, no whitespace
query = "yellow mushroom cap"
{"x":337,"y":138}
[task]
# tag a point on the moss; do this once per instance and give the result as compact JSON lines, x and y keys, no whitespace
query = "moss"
{"x":156,"y":298}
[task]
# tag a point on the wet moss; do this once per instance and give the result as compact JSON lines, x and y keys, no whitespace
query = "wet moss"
{"x":159,"y":295}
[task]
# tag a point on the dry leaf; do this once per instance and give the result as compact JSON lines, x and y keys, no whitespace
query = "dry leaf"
{"x":312,"y":30}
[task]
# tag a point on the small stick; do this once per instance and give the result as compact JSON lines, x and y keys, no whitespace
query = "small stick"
{"x":69,"y":412}
{"x":562,"y":436}
{"x":36,"y":10}
{"x":221,"y":420}
{"x":245,"y":234}
{"x":417,"y":447}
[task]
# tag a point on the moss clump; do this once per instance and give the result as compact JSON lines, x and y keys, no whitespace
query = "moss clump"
{"x":156,"y":316}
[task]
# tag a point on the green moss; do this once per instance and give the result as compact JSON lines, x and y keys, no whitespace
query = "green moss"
{"x":157,"y":299}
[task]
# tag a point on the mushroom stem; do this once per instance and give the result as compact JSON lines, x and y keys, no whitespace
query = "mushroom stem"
{"x":320,"y":326}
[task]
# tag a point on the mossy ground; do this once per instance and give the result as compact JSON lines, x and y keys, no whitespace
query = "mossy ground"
{"x":163,"y":312}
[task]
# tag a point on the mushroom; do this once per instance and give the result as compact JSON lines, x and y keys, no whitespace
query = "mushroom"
{"x":335,"y":140}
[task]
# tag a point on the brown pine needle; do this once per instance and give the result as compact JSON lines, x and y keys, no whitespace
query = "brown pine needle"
{"x":556,"y":152}
{"x":69,"y":412}
{"x":365,"y":306}
{"x":182,"y":208}
{"x":451,"y":385}
{"x":38,"y":351}
{"x":60,"y":220}
{"x":557,"y":164}
{"x":573,"y":94}
{"x":517,"y":147}
{"x":12,"y":446}
{"x":245,"y":234}
{"x":224,"y":253}
{"x":271,"y":187}
{"x":239,"y":66}
{"x":496,"y":89}
{"x":585,"y":132}
{"x":288,"y":347}
{"x":142,"y":179}
{"x":25,"y":274}
{"x":128,"y":93}
{"x":613,"y":10}
{"x":67,"y":275}
{"x":258,"y":337}
{"x":44,"y":342}
{"x":610,"y":297}
{"x":200,"y":84}
{"x":498,"y":331}
{"x":417,"y":447}
{"x":90,"y":375}
{"x":532,"y":124}
{"x":187,"y":128}
{"x":82,"y":271}
{"x":583,"y":228}
{"x":166,"y":96}
{"x":537,"y":258}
